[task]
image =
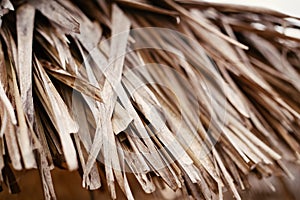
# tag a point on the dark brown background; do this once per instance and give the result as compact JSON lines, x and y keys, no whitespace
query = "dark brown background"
{"x":68,"y":186}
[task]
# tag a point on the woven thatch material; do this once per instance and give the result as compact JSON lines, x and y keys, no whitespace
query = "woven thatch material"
{"x":204,"y":97}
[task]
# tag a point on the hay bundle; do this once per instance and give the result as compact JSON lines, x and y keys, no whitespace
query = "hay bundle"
{"x":189,"y":94}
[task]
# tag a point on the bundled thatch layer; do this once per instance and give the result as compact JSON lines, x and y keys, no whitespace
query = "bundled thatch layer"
{"x":197,"y":94}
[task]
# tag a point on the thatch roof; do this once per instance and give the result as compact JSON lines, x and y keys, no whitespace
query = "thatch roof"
{"x":198,"y":94}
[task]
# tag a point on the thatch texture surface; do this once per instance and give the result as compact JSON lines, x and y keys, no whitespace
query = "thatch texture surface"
{"x":188,"y":95}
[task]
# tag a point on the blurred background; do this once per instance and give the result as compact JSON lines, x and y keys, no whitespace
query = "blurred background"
{"x":291,"y":7}
{"x":68,"y":186}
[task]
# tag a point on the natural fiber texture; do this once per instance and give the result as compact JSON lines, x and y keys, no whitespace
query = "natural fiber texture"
{"x":210,"y":96}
